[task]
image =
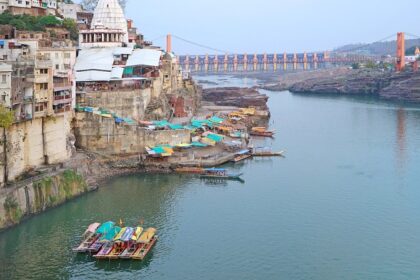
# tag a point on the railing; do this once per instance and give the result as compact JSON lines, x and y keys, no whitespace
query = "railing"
{"x":62,"y":97}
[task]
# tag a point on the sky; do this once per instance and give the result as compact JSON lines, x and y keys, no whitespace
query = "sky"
{"x":272,"y":25}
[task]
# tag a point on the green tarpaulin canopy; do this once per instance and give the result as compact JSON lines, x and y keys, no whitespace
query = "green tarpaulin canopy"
{"x":175,"y":126}
{"x":216,"y":138}
{"x":105,"y":227}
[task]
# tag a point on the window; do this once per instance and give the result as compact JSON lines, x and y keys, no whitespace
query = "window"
{"x":3,"y":79}
{"x":43,"y":71}
{"x":43,"y":86}
{"x":39,"y":107}
{"x":57,"y":67}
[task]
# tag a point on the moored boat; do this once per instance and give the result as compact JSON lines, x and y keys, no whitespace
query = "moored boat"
{"x":189,"y":170}
{"x":262,"y":131}
{"x":145,"y":243}
{"x":241,"y":155}
{"x":106,"y":243}
{"x":132,"y":244}
{"x":266,"y":152}
{"x":108,"y":237}
{"x":219,"y":173}
{"x":88,"y":237}
{"x":121,"y":242}
{"x":100,"y":232}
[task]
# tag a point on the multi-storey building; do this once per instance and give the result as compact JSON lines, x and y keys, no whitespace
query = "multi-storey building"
{"x":6,"y":85}
{"x":30,"y":7}
{"x":69,"y":10}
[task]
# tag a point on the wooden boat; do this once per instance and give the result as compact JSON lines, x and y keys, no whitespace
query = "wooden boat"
{"x":89,"y":237}
{"x":241,"y":155}
{"x":266,"y":152}
{"x":101,"y":232}
{"x":132,"y":245}
{"x":262,"y":131}
{"x":145,"y":243}
{"x":105,"y":250}
{"x":219,"y":173}
{"x":121,"y":242}
{"x":189,"y":170}
{"x":110,"y":235}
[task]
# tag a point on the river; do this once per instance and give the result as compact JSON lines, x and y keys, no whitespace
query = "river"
{"x":343,"y":204}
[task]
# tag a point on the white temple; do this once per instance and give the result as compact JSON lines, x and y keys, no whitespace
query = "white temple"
{"x":109,"y":27}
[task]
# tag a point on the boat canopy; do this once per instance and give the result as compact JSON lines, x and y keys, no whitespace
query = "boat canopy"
{"x":147,"y":235}
{"x":137,"y":233}
{"x":243,"y":152}
{"x":127,"y":234}
{"x":92,"y":228}
{"x":111,"y":234}
{"x":105,"y":227}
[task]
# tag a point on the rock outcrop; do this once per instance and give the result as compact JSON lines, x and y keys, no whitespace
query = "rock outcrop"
{"x":393,"y":86}
{"x":235,"y":96}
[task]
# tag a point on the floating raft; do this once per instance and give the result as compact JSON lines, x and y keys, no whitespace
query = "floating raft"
{"x":111,"y":242}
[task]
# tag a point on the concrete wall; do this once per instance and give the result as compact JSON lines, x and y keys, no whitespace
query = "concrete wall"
{"x":103,"y":136}
{"x":127,"y":104}
{"x":39,"y":195}
{"x":31,"y":144}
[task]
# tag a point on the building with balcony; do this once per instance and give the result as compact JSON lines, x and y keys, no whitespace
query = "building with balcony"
{"x":31,"y":7}
{"x":6,"y":85}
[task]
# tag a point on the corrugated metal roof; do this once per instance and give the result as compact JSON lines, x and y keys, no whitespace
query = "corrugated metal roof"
{"x":121,"y":50}
{"x":117,"y":73}
{"x":92,"y":75}
{"x":146,"y":57}
{"x":95,"y":59}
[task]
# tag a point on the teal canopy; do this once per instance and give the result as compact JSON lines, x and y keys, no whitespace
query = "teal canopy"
{"x":216,"y":138}
{"x":198,"y":145}
{"x":161,"y":123}
{"x":215,"y":119}
{"x":111,"y":234}
{"x":159,"y":150}
{"x":105,"y":227}
{"x":175,"y":126}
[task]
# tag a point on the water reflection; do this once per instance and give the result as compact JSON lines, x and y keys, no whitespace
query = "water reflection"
{"x":401,"y":138}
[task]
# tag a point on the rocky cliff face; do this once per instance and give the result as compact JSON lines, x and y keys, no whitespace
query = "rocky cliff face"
{"x":36,"y":196}
{"x":235,"y":96}
{"x":393,"y":86}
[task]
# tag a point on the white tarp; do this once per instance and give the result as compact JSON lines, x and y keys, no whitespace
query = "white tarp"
{"x":117,"y":73}
{"x":145,"y":57}
{"x":92,"y":76}
{"x":95,"y":59}
{"x":121,"y":50}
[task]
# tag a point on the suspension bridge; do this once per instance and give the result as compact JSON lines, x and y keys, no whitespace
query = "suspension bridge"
{"x":224,"y":61}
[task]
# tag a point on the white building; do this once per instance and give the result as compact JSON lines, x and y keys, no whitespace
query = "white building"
{"x":6,"y":85}
{"x":109,"y":27}
{"x":4,"y":5}
{"x":69,"y":10}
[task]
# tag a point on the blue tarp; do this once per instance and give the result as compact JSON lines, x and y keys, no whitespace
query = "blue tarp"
{"x":175,"y":126}
{"x":198,"y":145}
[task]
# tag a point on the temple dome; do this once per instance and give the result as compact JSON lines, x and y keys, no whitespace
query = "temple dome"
{"x":109,"y":14}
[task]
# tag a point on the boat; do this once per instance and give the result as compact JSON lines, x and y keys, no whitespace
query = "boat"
{"x":219,"y":173}
{"x":262,"y":131}
{"x":266,"y":152}
{"x":104,"y":251}
{"x":189,"y":170}
{"x":96,"y":247}
{"x":88,"y":237}
{"x":101,"y":232}
{"x":241,"y":155}
{"x":145,"y":243}
{"x":132,"y":244}
{"x":121,"y":242}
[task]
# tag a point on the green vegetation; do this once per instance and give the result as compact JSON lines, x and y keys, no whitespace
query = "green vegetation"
{"x":6,"y":117}
{"x":411,"y":51}
{"x":33,"y":23}
{"x":13,"y":211}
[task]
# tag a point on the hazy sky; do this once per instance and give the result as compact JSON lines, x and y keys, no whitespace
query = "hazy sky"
{"x":272,"y":25}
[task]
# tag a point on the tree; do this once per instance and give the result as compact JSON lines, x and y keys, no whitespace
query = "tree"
{"x":91,"y":4}
{"x":18,"y":23}
{"x":71,"y":26}
{"x":6,"y":117}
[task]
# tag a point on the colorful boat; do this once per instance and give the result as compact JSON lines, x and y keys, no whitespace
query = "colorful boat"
{"x":88,"y":237}
{"x":121,"y":242}
{"x":145,"y":243}
{"x":101,"y":232}
{"x":189,"y":170}
{"x":132,"y":244}
{"x":266,"y":152}
{"x":262,"y":131}
{"x":220,"y":173}
{"x":107,"y":243}
{"x":241,"y":155}
{"x":108,"y":237}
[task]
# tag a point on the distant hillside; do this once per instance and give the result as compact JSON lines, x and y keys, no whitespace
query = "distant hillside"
{"x":382,"y":48}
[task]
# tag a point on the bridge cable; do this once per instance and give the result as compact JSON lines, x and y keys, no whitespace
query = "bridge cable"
{"x":200,"y":45}
{"x":367,"y":44}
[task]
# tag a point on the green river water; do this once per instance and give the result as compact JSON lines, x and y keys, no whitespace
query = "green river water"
{"x":343,"y":204}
